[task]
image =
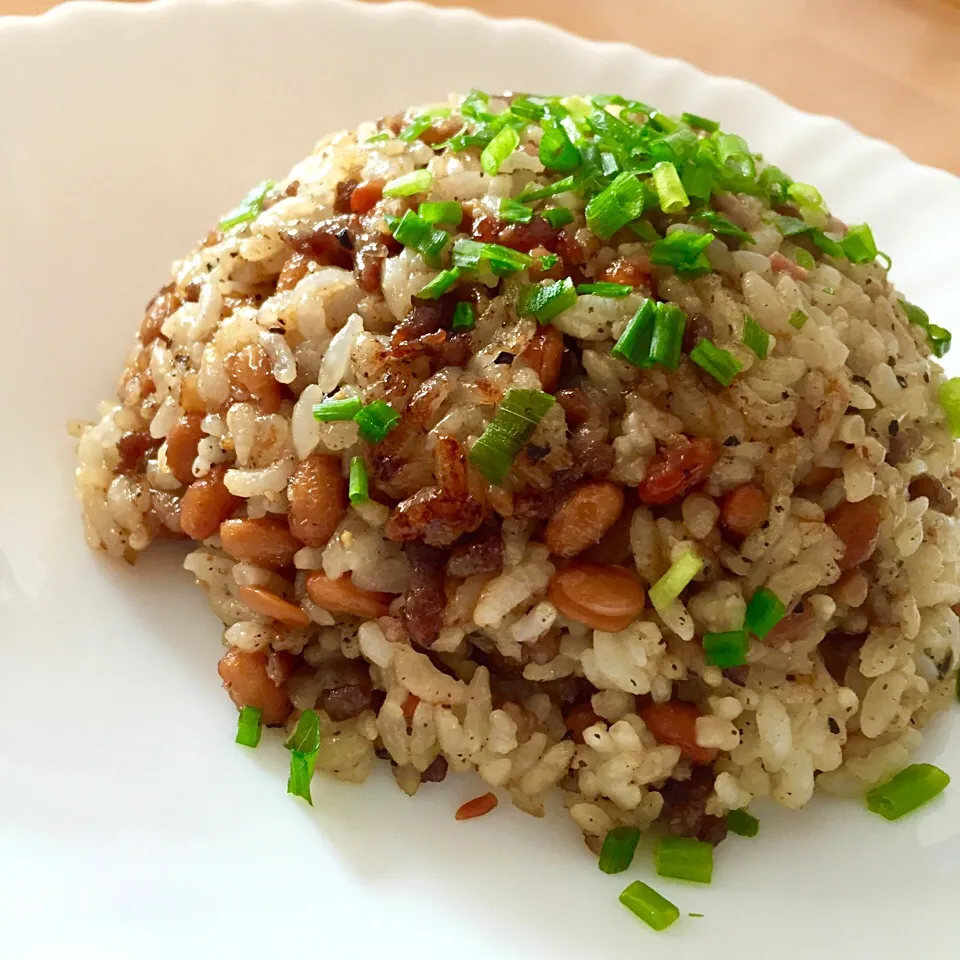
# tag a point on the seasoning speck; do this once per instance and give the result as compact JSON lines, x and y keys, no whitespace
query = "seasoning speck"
{"x":503,"y":357}
{"x":893,"y":427}
{"x":731,"y":442}
{"x":536,"y":452}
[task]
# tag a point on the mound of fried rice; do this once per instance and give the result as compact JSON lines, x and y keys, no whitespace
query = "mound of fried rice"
{"x":432,"y":625}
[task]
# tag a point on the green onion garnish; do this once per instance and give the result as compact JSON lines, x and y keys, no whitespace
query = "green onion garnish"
{"x":722,"y":365}
{"x":764,"y":611}
{"x":497,"y":447}
{"x":442,"y":211}
{"x":937,"y":337}
{"x":804,"y":258}
{"x":700,"y":123}
{"x":471,"y":254}
{"x":797,"y":319}
{"x":546,"y":301}
{"x":634,"y":343}
{"x":950,"y":401}
{"x":561,"y":186}
{"x":548,"y":261}
{"x":720,"y":225}
{"x":464,"y":316}
{"x":683,"y":858}
{"x":653,"y":909}
{"x":885,"y":259}
{"x":558,"y":216}
{"x":556,"y":150}
{"x":859,"y":245}
{"x":644,"y":230}
{"x":511,"y":211}
{"x":666,"y":181}
{"x":440,"y":284}
{"x":359,"y":488}
{"x":250,"y":207}
{"x":376,"y":420}
{"x":409,"y":184}
{"x":774,"y":183}
{"x":616,"y":205}
{"x":827,"y":244}
{"x":755,"y":337}
{"x":613,"y":290}
{"x":378,"y":137}
{"x":727,"y":649}
{"x":909,"y":789}
{"x":304,"y":745}
{"x":498,"y":149}
{"x":331,"y":410}
{"x":413,"y":231}
{"x":742,"y":823}
{"x":673,"y":582}
{"x":667,"y":339}
{"x":683,"y":250}
{"x":618,"y":848}
{"x":249,"y":726}
{"x":415,"y":128}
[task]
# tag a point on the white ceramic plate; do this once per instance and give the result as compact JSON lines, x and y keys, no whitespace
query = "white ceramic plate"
{"x":130,"y":824}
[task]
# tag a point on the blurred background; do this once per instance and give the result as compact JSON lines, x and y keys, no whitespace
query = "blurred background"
{"x":889,"y":67}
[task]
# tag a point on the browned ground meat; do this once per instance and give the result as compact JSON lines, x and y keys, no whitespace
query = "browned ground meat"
{"x":481,"y":553}
{"x":685,"y":805}
{"x":941,"y":499}
{"x":426,"y":597}
{"x":437,"y":770}
{"x":347,"y":691}
{"x":837,"y":650}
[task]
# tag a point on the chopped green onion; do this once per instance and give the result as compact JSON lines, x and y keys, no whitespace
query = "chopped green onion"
{"x":701,"y":123}
{"x":909,"y":789}
{"x":683,"y":858}
{"x":505,"y":436}
{"x":442,"y":211}
{"x":410,"y":230}
{"x":304,"y":745}
{"x":359,"y":489}
{"x":734,"y":154}
{"x":634,"y":343}
{"x":804,"y":258}
{"x":667,"y":339}
{"x":249,"y":726}
{"x":548,"y":300}
{"x":721,"y":225}
{"x":653,"y":909}
{"x":440,"y":284}
{"x":560,"y":186}
{"x":616,"y":205}
{"x":827,"y":244}
{"x":755,"y":337}
{"x":774,"y":183}
{"x":675,"y":580}
{"x":721,"y":364}
{"x":858,"y":244}
{"x":788,"y":226}
{"x":810,"y":203}
{"x":742,"y":823}
{"x":513,"y":212}
{"x":619,"y":846}
{"x":376,"y":420}
{"x":498,"y":149}
{"x":950,"y":401}
{"x":797,"y":319}
{"x":614,"y":290}
{"x":728,"y":649}
{"x":464,"y":316}
{"x":886,"y":260}
{"x":937,"y":337}
{"x":683,"y":250}
{"x":548,"y":261}
{"x":764,"y":611}
{"x":250,"y":207}
{"x":666,"y":181}
{"x":331,"y":410}
{"x":409,"y":184}
{"x":414,"y":129}
{"x":556,"y":150}
{"x":558,"y":216}
{"x":378,"y":137}
{"x":471,"y":254}
{"x":644,"y":230}
{"x":697,"y":181}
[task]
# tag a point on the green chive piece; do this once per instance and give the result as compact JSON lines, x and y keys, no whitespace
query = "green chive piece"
{"x":558,"y":216}
{"x":557,"y":152}
{"x":440,"y":284}
{"x":443,"y":211}
{"x":885,"y":259}
{"x":666,"y":181}
{"x":560,"y":186}
{"x":652,"y":908}
{"x":950,"y":401}
{"x":304,"y":745}
{"x":797,"y":319}
{"x":250,"y":207}
{"x":464,"y":316}
{"x":511,"y":211}
{"x":764,"y":611}
{"x":720,"y":225}
{"x":938,"y":338}
{"x":359,"y":488}
{"x":619,"y":845}
{"x":548,"y":261}
{"x":249,"y":726}
{"x":505,"y":436}
{"x":378,"y":137}
{"x":675,"y":580}
{"x":546,"y":301}
{"x":683,"y":858}
{"x":414,"y":129}
{"x":683,"y":250}
{"x":910,"y":788}
{"x":410,"y":230}
{"x":667,"y":339}
{"x":498,"y":149}
{"x":742,"y":823}
{"x":827,"y":244}
{"x":700,"y":123}
{"x":634,"y":343}
{"x":612,"y":290}
{"x":721,"y":364}
{"x":376,"y":420}
{"x":471,"y":255}
{"x":331,"y":410}
{"x":728,"y":649}
{"x":409,"y":184}
{"x":804,"y":259}
{"x":616,"y":205}
{"x":644,"y":230}
{"x":755,"y":337}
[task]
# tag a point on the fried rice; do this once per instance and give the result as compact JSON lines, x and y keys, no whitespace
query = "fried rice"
{"x":488,"y":604}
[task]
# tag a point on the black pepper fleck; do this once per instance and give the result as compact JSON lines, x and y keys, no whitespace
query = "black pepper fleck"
{"x":902,"y":381}
{"x":833,"y":725}
{"x":731,"y":442}
{"x":893,"y":427}
{"x":503,"y":357}
{"x":535,"y":452}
